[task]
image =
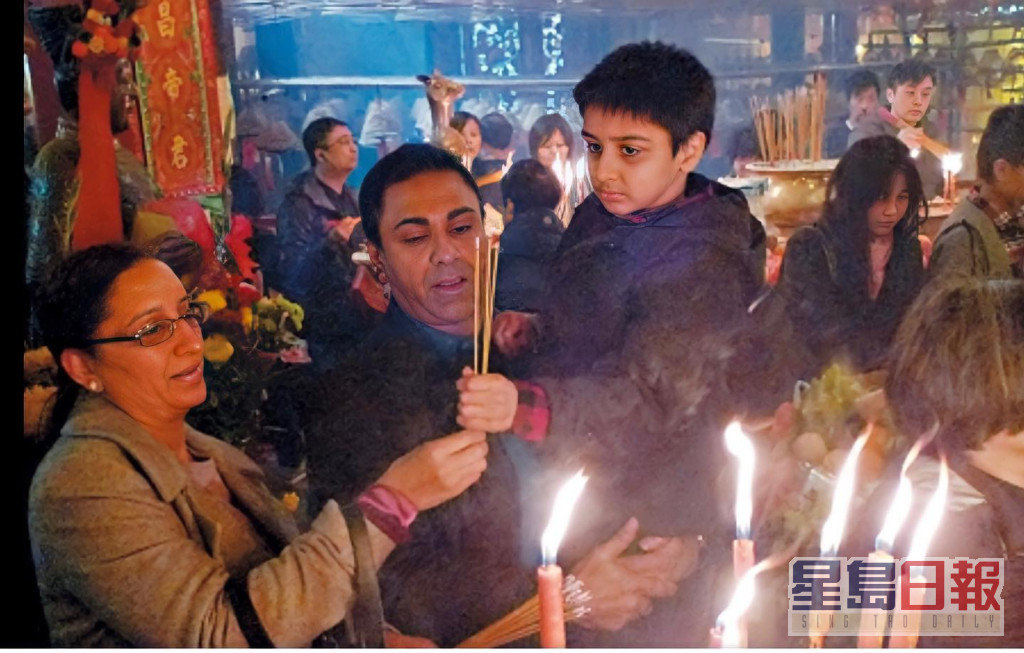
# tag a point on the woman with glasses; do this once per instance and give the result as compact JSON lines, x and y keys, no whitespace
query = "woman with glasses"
{"x":146,"y":532}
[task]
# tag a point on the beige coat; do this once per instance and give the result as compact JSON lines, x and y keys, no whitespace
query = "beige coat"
{"x":972,"y":250}
{"x":125,"y":555}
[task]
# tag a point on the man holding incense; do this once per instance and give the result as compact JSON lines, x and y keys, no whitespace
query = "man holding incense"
{"x":458,"y":567}
{"x":639,"y":338}
{"x":909,"y":94}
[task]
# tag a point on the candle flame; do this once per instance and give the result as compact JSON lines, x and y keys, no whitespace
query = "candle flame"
{"x":932,"y":515}
{"x":729,"y":620}
{"x":901,"y":502}
{"x":832,"y":531}
{"x":953,"y":162}
{"x":740,"y":445}
{"x":565,"y":500}
{"x":567,"y":177}
{"x":558,"y":169}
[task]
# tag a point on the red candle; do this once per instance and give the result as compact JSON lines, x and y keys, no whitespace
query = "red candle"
{"x":742,"y":557}
{"x":552,"y":613}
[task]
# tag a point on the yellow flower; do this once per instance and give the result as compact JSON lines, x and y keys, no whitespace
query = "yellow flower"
{"x":217,"y":348}
{"x":290,"y":501}
{"x":96,"y":45}
{"x":246,"y":318}
{"x":94,"y":16}
{"x":294,"y":311}
{"x":215,"y":299}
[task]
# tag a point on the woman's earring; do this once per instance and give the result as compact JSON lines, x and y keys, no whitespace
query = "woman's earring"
{"x":95,"y":386}
{"x":387,"y":291}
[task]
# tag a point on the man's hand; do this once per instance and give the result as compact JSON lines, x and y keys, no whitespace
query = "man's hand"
{"x":514,"y":333}
{"x":618,"y":594}
{"x":487,"y":402}
{"x":911,"y":137}
{"x":346,"y":225}
{"x":439,"y":470}
{"x":670,"y":558}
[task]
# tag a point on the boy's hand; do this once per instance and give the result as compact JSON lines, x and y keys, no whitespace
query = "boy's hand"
{"x":487,"y":402}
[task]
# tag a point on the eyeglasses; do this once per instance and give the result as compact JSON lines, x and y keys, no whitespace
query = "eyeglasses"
{"x":344,"y":140}
{"x":160,"y":331}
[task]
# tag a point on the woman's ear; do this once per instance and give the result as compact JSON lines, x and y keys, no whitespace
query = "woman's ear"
{"x":377,"y":260}
{"x":79,"y":367}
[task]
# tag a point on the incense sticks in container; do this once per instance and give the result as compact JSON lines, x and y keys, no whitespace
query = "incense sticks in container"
{"x":792,"y":127}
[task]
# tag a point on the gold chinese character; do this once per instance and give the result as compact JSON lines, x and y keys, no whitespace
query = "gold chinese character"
{"x":172,"y":83}
{"x":179,"y":160}
{"x":166,"y":23}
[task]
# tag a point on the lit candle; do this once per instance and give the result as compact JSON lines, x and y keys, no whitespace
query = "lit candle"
{"x":549,"y":574}
{"x":952,"y":163}
{"x":870,"y":636}
{"x":729,"y":630}
{"x":832,"y":530}
{"x":740,"y":446}
{"x":922,"y":539}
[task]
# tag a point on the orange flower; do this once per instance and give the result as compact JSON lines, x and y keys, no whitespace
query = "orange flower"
{"x":290,"y":501}
{"x":96,"y":45}
{"x":79,"y":49}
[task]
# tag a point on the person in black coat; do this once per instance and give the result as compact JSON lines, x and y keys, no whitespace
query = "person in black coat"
{"x":410,"y":382}
{"x":531,"y":236}
{"x":848,"y":280}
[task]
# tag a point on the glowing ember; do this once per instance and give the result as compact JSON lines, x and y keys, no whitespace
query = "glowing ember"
{"x":900,"y":504}
{"x":739,"y":445}
{"x":551,"y":539}
{"x":931,"y":517}
{"x":832,"y":531}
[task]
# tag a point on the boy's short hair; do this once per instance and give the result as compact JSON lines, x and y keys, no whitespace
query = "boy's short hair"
{"x":913,"y":72}
{"x":403,"y":164}
{"x":860,"y":81}
{"x":1003,"y":139}
{"x":496,"y":131}
{"x":314,"y":136}
{"x":530,"y":184}
{"x":653,"y":81}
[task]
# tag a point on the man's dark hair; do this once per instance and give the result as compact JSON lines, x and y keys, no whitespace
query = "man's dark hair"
{"x":403,"y":164}
{"x":860,"y":81}
{"x":530,"y":184}
{"x":653,"y":81}
{"x":913,"y":71}
{"x":314,"y":136}
{"x":496,"y":131}
{"x":1003,"y":139}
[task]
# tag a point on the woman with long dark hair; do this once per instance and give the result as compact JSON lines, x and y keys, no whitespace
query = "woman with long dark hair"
{"x":469,"y":126}
{"x":848,"y":279}
{"x":551,"y":140}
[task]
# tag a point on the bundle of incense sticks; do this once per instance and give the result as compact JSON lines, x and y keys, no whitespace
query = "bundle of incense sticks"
{"x":525,"y":620}
{"x":793,"y":126}
{"x":494,"y":225}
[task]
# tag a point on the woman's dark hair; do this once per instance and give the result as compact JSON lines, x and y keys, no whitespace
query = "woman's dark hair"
{"x":864,"y":175}
{"x":72,"y":304}
{"x":958,"y":362}
{"x":545,"y":127}
{"x":406,"y":162}
{"x":653,"y":81}
{"x":461,"y":118}
{"x":530,"y":184}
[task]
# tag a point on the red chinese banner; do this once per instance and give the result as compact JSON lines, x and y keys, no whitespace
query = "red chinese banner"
{"x":177,"y":76}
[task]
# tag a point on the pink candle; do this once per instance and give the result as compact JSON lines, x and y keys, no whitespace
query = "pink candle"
{"x":870,"y":635}
{"x":742,"y":557}
{"x":552,"y":614}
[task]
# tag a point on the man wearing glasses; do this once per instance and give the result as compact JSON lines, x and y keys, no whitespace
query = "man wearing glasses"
{"x":318,"y":202}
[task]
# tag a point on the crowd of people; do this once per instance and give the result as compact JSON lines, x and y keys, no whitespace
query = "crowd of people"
{"x":625,"y":339}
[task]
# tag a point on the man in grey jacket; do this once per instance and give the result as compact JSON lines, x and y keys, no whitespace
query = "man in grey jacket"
{"x":909,"y":93}
{"x":984,"y":237}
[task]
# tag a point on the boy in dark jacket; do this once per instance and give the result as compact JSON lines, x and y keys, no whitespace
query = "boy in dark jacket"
{"x":638,"y":335}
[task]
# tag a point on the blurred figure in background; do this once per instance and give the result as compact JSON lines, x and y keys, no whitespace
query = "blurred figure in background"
{"x":862,"y":91}
{"x":495,"y":149}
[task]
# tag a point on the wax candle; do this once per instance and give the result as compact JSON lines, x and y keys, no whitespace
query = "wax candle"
{"x":549,"y":574}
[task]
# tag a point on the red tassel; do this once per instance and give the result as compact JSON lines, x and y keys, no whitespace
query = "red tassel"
{"x":98,"y":210}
